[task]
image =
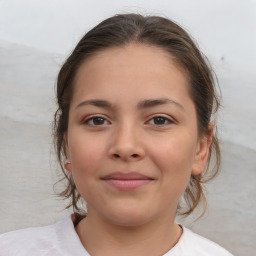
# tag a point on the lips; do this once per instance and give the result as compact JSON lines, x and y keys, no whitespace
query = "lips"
{"x":127,"y":181}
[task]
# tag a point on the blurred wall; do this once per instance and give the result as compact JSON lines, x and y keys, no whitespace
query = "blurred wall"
{"x":35,"y":38}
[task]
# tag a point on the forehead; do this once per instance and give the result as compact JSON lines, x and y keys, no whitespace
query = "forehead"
{"x":139,"y":53}
{"x":131,"y":69}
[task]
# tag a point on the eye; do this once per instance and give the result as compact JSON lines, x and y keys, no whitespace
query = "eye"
{"x":95,"y":121}
{"x":160,"y":121}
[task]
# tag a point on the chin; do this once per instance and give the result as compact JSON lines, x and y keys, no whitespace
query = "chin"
{"x":129,"y":217}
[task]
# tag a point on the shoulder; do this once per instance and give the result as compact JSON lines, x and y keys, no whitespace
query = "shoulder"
{"x":29,"y":241}
{"x":194,"y":244}
{"x":48,"y":240}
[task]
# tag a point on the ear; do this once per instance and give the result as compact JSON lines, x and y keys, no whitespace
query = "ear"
{"x":67,"y":164}
{"x":202,"y":151}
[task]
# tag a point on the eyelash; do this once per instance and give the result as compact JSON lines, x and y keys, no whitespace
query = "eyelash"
{"x":164,"y":118}
{"x":92,"y":118}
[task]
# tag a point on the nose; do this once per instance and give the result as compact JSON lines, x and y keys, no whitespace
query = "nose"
{"x":126,"y":144}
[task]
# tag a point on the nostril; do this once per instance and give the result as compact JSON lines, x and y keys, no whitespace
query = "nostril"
{"x":132,"y":156}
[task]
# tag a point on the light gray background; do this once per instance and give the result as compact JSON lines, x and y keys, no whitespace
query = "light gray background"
{"x":36,"y":36}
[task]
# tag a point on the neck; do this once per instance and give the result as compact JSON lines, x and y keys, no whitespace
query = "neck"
{"x":153,"y":238}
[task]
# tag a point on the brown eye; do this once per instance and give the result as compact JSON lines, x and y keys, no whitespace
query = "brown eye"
{"x":160,"y":120}
{"x":96,"y":121}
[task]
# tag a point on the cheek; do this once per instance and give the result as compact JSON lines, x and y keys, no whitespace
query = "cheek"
{"x":174,"y":157}
{"x":86,"y":154}
{"x":87,"y":158}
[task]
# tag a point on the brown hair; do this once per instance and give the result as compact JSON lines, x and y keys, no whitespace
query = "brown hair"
{"x":161,"y":32}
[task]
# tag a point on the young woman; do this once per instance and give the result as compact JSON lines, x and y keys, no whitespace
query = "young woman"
{"x":134,"y":133}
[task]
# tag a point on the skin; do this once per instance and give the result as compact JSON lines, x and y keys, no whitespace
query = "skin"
{"x":128,"y":138}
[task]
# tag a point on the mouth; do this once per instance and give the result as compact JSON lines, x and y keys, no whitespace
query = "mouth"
{"x":127,"y":181}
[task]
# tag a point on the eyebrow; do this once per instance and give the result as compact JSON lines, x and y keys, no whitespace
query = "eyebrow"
{"x":141,"y":105}
{"x":97,"y":103}
{"x":156,"y":102}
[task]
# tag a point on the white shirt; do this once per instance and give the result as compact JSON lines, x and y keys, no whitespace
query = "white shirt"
{"x":61,"y":239}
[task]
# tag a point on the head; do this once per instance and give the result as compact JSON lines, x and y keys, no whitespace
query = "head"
{"x":159,"y":34}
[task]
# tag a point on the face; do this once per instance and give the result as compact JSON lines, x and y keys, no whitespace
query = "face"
{"x":132,"y":135}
